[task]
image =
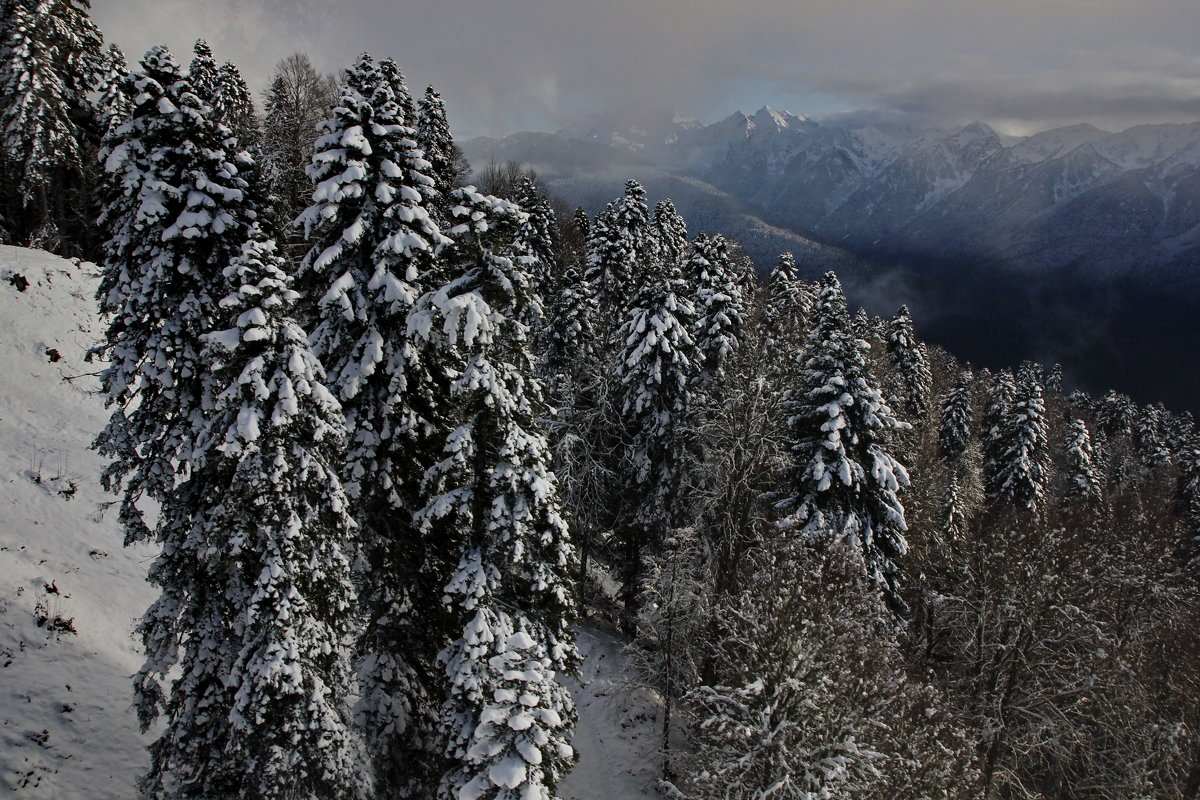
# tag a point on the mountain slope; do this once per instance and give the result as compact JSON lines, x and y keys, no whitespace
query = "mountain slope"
{"x":69,"y":592}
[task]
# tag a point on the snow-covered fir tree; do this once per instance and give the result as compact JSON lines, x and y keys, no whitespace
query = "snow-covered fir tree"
{"x":541,"y":233}
{"x":493,"y":510}
{"x":260,"y":707}
{"x":1150,"y":436}
{"x":447,"y":166}
{"x":842,"y":483}
{"x":1083,"y":480}
{"x":657,"y":367}
{"x":175,"y":226}
{"x":233,"y":104}
{"x":583,"y":223}
{"x":911,"y":365}
{"x":114,"y":104}
{"x":1019,"y":474}
{"x":719,"y":303}
{"x":177,"y":221}
{"x":785,"y":313}
{"x":202,"y":72}
{"x":670,"y":235}
{"x":50,"y":61}
{"x":1188,"y":500}
{"x":1116,"y":414}
{"x":373,"y":239}
{"x":1001,"y":394}
{"x":620,"y":253}
{"x":957,"y":418}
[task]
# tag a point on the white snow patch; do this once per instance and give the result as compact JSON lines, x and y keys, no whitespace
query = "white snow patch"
{"x":67,"y":729}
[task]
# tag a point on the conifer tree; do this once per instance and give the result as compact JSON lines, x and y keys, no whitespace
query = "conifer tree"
{"x":373,"y":240}
{"x":233,"y":105}
{"x":447,"y":165}
{"x":542,"y":228}
{"x":907,"y":354}
{"x":1019,"y":474}
{"x":202,"y":72}
{"x":583,"y":223}
{"x":1083,"y":480}
{"x":957,"y":420}
{"x":619,"y":252}
{"x":1001,"y":395}
{"x":656,"y":369}
{"x":390,"y":73}
{"x":507,"y":720}
{"x":785,"y":313}
{"x":113,"y":105}
{"x":670,"y":234}
{"x":260,"y":708}
{"x":1188,"y":501}
{"x":720,"y":305}
{"x":176,"y":222}
{"x":1116,"y":414}
{"x":841,"y":482}
{"x":50,"y":60}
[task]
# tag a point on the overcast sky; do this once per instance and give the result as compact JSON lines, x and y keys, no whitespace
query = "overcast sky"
{"x":508,"y":65}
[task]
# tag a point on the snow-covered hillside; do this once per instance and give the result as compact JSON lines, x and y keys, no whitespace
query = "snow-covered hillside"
{"x":70,"y":594}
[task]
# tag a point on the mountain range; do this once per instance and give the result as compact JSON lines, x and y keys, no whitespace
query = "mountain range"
{"x":1075,"y":245}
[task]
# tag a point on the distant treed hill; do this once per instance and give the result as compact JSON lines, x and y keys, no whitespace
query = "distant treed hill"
{"x":1074,"y":245}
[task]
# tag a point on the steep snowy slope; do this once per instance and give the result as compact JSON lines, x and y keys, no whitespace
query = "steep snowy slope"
{"x":70,"y":594}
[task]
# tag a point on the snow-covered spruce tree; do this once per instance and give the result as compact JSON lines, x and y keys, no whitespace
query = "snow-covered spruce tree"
{"x":620,"y":253}
{"x":50,"y":60}
{"x":657,"y":367}
{"x":670,"y":235}
{"x":233,"y":104}
{"x":1019,"y":475}
{"x":567,"y":337}
{"x":957,"y":419}
{"x":178,"y":220}
{"x":719,"y":303}
{"x":1150,"y":437}
{"x":263,"y":574}
{"x":202,"y":72}
{"x":785,"y":314}
{"x":1116,"y":414}
{"x":1083,"y":481}
{"x":841,"y":482}
{"x":911,"y":365}
{"x":1001,"y":394}
{"x":114,"y":104}
{"x":1188,"y":501}
{"x":447,"y":165}
{"x":372,"y":240}
{"x":541,"y":233}
{"x":493,"y":504}
{"x":583,"y":223}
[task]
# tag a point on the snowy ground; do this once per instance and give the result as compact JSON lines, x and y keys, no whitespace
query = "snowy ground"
{"x":70,"y":593}
{"x":616,"y":737}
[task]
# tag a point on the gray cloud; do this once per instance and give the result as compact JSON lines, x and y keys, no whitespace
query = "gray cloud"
{"x":505,"y":65}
